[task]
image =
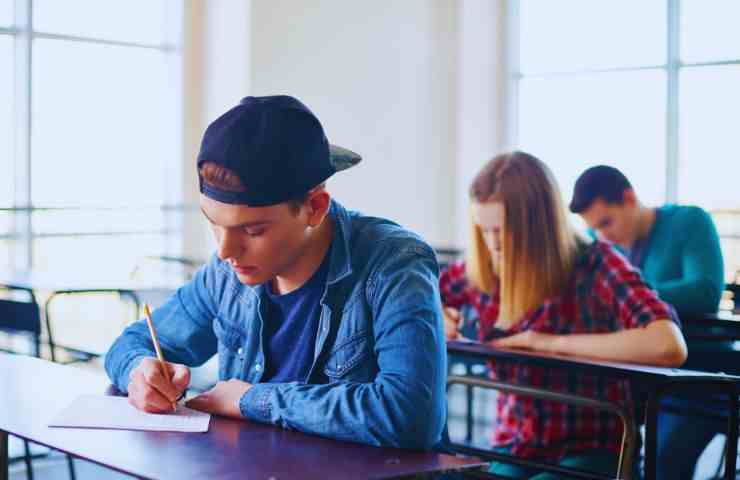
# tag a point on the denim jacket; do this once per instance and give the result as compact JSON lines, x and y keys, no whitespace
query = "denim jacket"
{"x":379,"y":368}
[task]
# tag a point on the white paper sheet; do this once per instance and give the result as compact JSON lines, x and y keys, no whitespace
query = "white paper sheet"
{"x":105,"y":411}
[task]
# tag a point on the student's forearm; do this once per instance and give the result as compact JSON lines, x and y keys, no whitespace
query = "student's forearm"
{"x":388,"y":412}
{"x":691,"y":296}
{"x":184,"y":327}
{"x":700,"y":286}
{"x":660,"y":343}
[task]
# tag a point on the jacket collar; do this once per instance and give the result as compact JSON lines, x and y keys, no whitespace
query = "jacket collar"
{"x":340,"y":263}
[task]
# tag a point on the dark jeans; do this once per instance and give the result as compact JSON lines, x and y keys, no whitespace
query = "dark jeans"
{"x":682,"y":437}
{"x":597,"y":461}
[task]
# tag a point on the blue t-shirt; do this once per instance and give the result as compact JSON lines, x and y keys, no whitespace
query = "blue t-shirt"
{"x":290,"y":328}
{"x":636,"y":254}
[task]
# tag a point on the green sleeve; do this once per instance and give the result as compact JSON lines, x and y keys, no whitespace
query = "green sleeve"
{"x":700,"y":288}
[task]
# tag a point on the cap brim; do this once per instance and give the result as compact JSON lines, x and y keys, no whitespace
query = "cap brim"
{"x":342,"y":158}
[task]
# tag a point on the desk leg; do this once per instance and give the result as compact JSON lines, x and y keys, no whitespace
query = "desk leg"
{"x":651,"y":436}
{"x":4,"y":463}
{"x":49,"y":336}
{"x":732,"y":434}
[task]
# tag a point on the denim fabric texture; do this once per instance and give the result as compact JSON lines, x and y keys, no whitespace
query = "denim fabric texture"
{"x":379,"y":365}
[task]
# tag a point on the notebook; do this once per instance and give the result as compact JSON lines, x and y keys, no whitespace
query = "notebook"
{"x":105,"y":411}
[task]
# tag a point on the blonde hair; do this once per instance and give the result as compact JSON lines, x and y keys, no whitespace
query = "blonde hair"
{"x":539,"y":245}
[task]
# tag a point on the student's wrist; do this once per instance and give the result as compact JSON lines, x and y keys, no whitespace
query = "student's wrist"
{"x":556,"y":344}
{"x":255,"y":402}
{"x":132,"y":364}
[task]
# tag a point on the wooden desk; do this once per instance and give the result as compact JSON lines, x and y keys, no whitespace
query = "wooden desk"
{"x":33,"y":391}
{"x":655,"y":382}
{"x":720,"y":326}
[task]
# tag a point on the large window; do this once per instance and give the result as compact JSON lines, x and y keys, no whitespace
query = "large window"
{"x":90,"y":133}
{"x":6,"y":13}
{"x":6,"y":120}
{"x":649,"y":87}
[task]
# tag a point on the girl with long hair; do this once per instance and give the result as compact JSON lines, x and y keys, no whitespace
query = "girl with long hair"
{"x":536,"y":285}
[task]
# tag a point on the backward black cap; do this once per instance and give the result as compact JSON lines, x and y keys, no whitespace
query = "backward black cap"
{"x":276,"y":146}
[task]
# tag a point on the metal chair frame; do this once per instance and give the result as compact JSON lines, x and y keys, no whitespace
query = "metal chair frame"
{"x":629,"y":430}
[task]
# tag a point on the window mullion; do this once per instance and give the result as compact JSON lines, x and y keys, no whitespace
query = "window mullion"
{"x":513,"y":73}
{"x":672,"y":101}
{"x":21,"y":251}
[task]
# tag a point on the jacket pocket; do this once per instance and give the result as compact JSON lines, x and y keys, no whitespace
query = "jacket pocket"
{"x":349,"y":360}
{"x":230,"y":337}
{"x":231,"y":342}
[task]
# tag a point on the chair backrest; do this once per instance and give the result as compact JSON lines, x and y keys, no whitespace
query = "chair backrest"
{"x":20,"y":317}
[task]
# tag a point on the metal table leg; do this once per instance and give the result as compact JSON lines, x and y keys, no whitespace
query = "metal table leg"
{"x":710,"y":386}
{"x":651,"y":435}
{"x":4,"y":461}
{"x":732,"y":434}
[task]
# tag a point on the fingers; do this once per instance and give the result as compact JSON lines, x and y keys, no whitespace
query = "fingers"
{"x":180,"y":377}
{"x":151,"y":390}
{"x":452,"y":323}
{"x":222,"y":399}
{"x":159,"y":380}
{"x":147,"y":399}
{"x":518,"y":340}
{"x":451,"y":332}
{"x":452,"y":314}
{"x":203,"y":402}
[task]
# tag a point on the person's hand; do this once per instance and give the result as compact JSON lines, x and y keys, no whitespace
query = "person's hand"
{"x":527,"y":340}
{"x":452,"y":323}
{"x":222,"y":399}
{"x":152,"y":391}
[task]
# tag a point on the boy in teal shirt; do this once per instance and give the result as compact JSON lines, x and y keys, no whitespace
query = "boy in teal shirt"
{"x":677,"y":248}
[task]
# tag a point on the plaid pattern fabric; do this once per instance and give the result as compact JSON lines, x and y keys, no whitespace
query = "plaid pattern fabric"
{"x":605,"y":294}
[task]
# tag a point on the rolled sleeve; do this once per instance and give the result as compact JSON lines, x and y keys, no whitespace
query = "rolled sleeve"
{"x":124,"y":365}
{"x":255,"y":403}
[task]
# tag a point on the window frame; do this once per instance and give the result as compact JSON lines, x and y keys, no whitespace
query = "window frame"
{"x":673,"y":67}
{"x":20,"y":234}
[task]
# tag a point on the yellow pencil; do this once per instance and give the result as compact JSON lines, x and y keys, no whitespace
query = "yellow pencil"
{"x":155,"y":341}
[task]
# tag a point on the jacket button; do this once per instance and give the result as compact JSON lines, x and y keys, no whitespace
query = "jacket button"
{"x":240,"y":351}
{"x":257,"y":367}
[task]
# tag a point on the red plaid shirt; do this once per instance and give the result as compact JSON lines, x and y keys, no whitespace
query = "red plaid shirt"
{"x":605,"y":294}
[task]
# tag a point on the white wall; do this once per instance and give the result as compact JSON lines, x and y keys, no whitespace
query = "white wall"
{"x":217,"y":69}
{"x":380,"y":76}
{"x":481,"y":89}
{"x":411,"y":86}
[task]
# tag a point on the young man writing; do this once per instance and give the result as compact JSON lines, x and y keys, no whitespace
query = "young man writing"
{"x":325,"y":320}
{"x":676,"y":247}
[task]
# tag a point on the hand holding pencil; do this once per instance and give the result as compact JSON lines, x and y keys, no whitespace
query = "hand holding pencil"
{"x":155,"y":385}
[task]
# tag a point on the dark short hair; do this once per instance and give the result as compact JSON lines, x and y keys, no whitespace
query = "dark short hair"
{"x":225,"y":179}
{"x":601,"y":181}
